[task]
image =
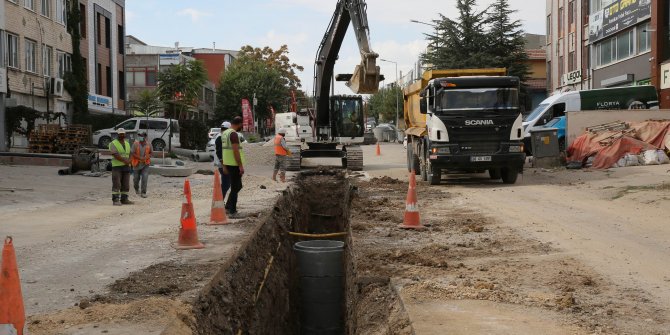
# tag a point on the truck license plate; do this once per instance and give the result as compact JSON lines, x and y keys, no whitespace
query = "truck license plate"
{"x":480,"y":158}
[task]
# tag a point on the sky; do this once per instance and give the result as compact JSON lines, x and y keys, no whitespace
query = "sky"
{"x":301,"y":24}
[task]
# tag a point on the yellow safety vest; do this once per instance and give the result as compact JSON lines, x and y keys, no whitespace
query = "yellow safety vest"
{"x":123,"y":152}
{"x":227,"y":146}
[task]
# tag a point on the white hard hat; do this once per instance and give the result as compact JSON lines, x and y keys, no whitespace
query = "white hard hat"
{"x":281,"y":131}
{"x":226,"y":124}
{"x":121,"y":131}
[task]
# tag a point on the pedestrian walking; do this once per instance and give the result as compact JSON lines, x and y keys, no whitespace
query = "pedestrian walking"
{"x":281,"y":151}
{"x":218,"y":159}
{"x":120,"y":149}
{"x":233,"y":162}
{"x":140,"y":161}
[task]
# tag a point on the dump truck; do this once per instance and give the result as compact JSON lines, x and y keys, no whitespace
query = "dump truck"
{"x":464,"y":121}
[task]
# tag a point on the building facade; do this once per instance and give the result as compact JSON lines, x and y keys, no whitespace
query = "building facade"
{"x":102,"y":46}
{"x":144,"y":62}
{"x":598,"y":44}
{"x":36,"y":49}
{"x":660,"y":50}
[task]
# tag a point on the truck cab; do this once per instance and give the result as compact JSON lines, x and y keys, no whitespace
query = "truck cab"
{"x":473,"y":124}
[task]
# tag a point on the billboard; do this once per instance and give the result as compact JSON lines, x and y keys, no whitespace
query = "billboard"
{"x":247,"y":116}
{"x":619,"y":15}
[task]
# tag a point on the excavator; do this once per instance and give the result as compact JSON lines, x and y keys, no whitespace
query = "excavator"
{"x":338,"y":123}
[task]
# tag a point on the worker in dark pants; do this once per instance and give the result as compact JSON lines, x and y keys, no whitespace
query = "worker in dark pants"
{"x":233,"y":162}
{"x":218,"y":159}
{"x":120,"y":149}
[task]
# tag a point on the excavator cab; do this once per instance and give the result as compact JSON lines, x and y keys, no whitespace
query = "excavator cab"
{"x":347,"y":116}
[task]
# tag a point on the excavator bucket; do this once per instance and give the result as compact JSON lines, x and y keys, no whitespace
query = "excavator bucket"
{"x":363,"y":82}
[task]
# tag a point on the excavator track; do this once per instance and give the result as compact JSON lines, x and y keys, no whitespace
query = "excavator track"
{"x":293,"y":161}
{"x":353,"y":159}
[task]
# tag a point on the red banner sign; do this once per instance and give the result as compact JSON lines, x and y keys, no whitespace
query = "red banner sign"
{"x":247,"y":116}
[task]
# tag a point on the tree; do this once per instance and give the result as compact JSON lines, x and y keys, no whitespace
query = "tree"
{"x":277,"y":60}
{"x":75,"y":81}
{"x":147,"y":103}
{"x":461,"y":43}
{"x":244,"y":78}
{"x":382,"y":105}
{"x":180,"y":87}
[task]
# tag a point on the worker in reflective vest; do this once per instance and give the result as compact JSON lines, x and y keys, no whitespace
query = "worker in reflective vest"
{"x":141,"y":160}
{"x":233,"y":163}
{"x":120,"y":149}
{"x":281,"y":151}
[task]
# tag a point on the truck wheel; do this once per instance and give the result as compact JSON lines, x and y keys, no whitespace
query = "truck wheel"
{"x":434,"y":173}
{"x":103,"y":142}
{"x":495,"y":174}
{"x":509,"y":175}
{"x":423,"y":166}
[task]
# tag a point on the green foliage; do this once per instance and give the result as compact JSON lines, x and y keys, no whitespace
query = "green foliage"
{"x":193,"y":134}
{"x":75,"y":82}
{"x":180,"y":87}
{"x":241,"y":80}
{"x":147,"y":103}
{"x":15,"y":116}
{"x":277,"y":60}
{"x":382,"y":105}
{"x":490,"y":38}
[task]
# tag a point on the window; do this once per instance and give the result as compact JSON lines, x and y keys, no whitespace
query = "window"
{"x":120,"y":39}
{"x":549,"y":77}
{"x":560,"y":22}
{"x":12,"y":51}
{"x":141,"y":77}
{"x":46,"y":8}
{"x":571,"y":61}
{"x":47,"y":60}
{"x":29,"y":4}
{"x":625,"y":45}
{"x":548,"y":28}
{"x":157,"y":125}
{"x":128,"y":125}
{"x":61,"y":12}
{"x":122,"y":86}
{"x":82,"y":21}
{"x":98,"y":79}
{"x":98,"y":28}
{"x":615,"y":49}
{"x":561,"y":67}
{"x":643,"y":38}
{"x":64,"y":63}
{"x":571,"y":14}
{"x":108,"y":81}
{"x":31,"y":56}
{"x":108,"y":33}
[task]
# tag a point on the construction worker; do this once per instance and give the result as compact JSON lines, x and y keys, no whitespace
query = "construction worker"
{"x":140,"y":159}
{"x":120,"y":149}
{"x":233,"y":163}
{"x":218,"y":159}
{"x":281,"y":151}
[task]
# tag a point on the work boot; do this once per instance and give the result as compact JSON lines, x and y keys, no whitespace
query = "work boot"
{"x":144,"y":195}
{"x":127,"y":202}
{"x":137,"y":190}
{"x":117,"y":203}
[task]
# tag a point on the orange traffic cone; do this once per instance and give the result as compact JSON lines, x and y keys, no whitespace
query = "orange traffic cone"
{"x":412,"y":219}
{"x":218,"y":215}
{"x":188,"y":233}
{"x":12,"y":313}
{"x":379,"y":149}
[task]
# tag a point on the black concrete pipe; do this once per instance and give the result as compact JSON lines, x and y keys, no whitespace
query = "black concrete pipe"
{"x":321,"y":271}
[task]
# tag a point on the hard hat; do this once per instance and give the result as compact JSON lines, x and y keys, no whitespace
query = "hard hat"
{"x":121,"y":131}
{"x":281,"y":131}
{"x":226,"y":124}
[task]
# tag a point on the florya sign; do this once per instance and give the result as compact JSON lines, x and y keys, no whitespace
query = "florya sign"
{"x":665,"y":76}
{"x":619,"y":15}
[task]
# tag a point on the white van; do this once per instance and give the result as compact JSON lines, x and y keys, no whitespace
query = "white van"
{"x":157,"y":131}
{"x":633,"y":97}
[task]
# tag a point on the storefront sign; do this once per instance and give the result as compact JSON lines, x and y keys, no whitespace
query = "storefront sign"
{"x":572,"y":78}
{"x":665,"y":76}
{"x":619,"y":15}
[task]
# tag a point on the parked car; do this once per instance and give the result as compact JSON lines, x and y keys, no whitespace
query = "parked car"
{"x":213,"y":132}
{"x":157,"y":131}
{"x":211,"y":145}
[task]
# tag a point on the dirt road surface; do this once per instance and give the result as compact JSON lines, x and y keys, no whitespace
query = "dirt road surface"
{"x":560,"y":252}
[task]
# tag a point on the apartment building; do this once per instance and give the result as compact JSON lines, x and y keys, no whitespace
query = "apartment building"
{"x":102,"y":46}
{"x":598,"y":43}
{"x":36,"y":49}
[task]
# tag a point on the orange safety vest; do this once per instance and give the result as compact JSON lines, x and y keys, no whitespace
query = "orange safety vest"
{"x":279,"y":150}
{"x":135,"y":159}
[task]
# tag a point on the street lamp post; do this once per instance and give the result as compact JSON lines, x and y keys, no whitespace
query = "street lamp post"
{"x":397,"y":99}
